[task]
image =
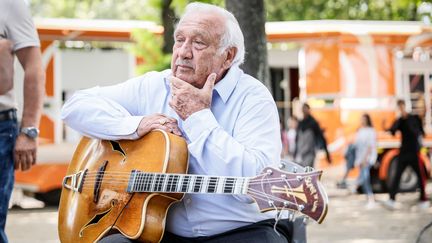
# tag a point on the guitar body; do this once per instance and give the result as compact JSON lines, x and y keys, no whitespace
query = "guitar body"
{"x":96,"y":203}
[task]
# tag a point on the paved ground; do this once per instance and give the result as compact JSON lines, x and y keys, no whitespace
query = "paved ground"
{"x":348,"y":220}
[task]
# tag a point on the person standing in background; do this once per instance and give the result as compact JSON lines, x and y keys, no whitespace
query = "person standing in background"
{"x":6,"y":66}
{"x":365,"y":155}
{"x":309,"y":138}
{"x":284,"y":139}
{"x":411,"y":129}
{"x":18,"y":144}
{"x":291,"y":136}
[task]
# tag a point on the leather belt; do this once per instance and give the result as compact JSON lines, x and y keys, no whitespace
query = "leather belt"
{"x":8,"y":115}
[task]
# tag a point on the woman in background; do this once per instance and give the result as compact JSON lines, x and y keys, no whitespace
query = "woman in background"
{"x":366,"y":155}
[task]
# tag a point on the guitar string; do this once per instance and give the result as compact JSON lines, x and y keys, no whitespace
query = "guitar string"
{"x":120,"y":173}
{"x":252,"y":191}
{"x":167,"y":175}
{"x":96,"y":178}
{"x":255,"y":193}
{"x":91,"y":182}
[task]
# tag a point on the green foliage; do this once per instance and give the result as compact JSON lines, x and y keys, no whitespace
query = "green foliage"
{"x":95,"y":9}
{"x":278,"y":10}
{"x":148,"y":46}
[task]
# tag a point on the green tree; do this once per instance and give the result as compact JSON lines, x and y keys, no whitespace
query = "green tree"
{"x":343,"y":9}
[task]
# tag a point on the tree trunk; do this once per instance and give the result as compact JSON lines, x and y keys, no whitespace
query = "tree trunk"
{"x":168,"y":20}
{"x":251,"y":17}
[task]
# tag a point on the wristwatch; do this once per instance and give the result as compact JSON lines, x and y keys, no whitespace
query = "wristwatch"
{"x":31,"y":132}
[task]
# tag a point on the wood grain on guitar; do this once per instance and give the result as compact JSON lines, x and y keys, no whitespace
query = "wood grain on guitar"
{"x":128,"y":186}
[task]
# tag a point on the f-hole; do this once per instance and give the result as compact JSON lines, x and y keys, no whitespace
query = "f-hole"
{"x":116,"y":147}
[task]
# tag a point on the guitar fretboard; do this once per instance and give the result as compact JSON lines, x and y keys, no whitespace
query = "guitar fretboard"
{"x":158,"y":182}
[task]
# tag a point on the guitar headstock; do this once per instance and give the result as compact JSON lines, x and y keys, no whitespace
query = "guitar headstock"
{"x":302,"y":192}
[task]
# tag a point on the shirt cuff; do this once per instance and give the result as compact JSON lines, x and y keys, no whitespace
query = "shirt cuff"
{"x":129,"y":127}
{"x":200,"y":122}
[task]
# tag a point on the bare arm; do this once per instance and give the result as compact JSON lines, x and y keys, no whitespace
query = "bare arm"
{"x":6,"y":66}
{"x":34,"y":85}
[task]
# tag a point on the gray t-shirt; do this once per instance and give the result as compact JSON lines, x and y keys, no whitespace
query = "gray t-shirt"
{"x":16,"y":24}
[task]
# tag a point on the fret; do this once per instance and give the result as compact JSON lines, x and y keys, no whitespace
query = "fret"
{"x":220,"y":184}
{"x":179,"y":183}
{"x":212,"y":184}
{"x":197,"y":184}
{"x":185,"y":183}
{"x":140,"y":183}
{"x":245,"y":186}
{"x":131,"y":183}
{"x":152,"y":179}
{"x":175,"y":183}
{"x":191,"y":183}
{"x":238,"y":185}
{"x":229,"y":185}
{"x":159,"y":182}
{"x":165,"y":182}
{"x":204,"y":184}
{"x":146,"y":182}
{"x":170,"y":183}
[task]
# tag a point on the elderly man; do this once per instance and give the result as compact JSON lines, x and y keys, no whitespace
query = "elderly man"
{"x":18,"y":145}
{"x":228,"y":119}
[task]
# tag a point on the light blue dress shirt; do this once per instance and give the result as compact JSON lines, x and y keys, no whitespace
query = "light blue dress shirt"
{"x":238,"y":136}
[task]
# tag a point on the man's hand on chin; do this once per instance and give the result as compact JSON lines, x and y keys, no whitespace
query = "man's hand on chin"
{"x":187,"y":99}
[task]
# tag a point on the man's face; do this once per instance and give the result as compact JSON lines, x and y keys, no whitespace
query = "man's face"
{"x":195,"y":50}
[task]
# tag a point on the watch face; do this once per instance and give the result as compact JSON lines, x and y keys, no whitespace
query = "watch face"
{"x":32,"y":132}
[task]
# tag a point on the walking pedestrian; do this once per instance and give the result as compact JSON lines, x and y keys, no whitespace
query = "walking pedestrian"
{"x":309,"y":138}
{"x":365,"y":155}
{"x":411,"y":129}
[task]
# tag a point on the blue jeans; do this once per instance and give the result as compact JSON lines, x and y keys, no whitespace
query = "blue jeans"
{"x":364,"y":180}
{"x":8,"y":134}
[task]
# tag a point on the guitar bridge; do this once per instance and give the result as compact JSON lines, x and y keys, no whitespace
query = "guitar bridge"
{"x":75,"y":182}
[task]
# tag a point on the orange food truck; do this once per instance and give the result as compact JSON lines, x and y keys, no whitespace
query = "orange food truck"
{"x":346,"y":68}
{"x":341,"y":68}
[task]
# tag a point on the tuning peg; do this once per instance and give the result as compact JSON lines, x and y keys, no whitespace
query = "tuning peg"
{"x":271,"y":203}
{"x":294,"y":169}
{"x":299,"y":178}
{"x":309,"y":169}
{"x":282,"y":165}
{"x":300,"y":207}
{"x":269,"y":172}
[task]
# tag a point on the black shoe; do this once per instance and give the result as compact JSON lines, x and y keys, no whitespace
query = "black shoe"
{"x":342,"y":185}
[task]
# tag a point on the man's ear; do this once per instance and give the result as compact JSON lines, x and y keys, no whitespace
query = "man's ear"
{"x":230,"y":55}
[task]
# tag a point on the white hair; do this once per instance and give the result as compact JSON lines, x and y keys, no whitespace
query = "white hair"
{"x":232,"y":36}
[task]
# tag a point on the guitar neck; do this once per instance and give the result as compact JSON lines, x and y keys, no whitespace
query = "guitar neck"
{"x":182,"y":183}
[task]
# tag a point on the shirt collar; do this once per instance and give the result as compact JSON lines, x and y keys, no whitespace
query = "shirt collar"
{"x":225,"y":86}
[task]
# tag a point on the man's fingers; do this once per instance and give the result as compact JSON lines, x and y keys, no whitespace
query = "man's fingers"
{"x":177,"y":83}
{"x":209,"y":84}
